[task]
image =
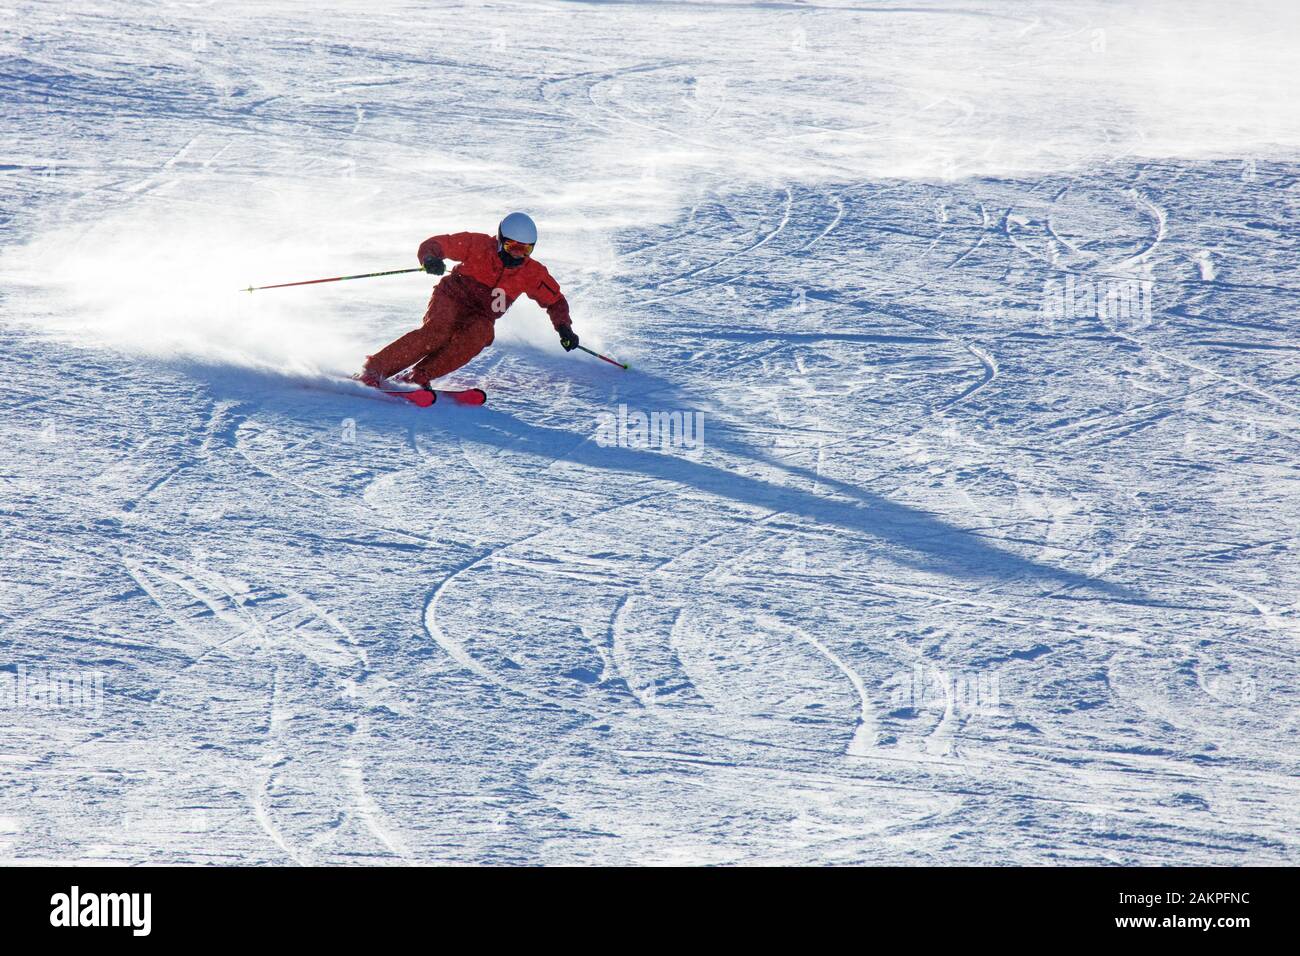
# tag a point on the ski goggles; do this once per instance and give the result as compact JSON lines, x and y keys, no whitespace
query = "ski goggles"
{"x":520,"y":250}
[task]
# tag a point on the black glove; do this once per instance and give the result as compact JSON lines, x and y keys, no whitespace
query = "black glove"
{"x":568,"y":338}
{"x":434,"y":266}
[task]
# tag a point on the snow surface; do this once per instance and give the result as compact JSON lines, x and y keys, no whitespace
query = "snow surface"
{"x":959,"y":574}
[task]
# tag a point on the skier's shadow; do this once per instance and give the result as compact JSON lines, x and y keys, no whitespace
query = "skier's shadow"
{"x":922,"y":540}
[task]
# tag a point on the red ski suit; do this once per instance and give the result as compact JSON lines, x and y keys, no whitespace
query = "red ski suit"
{"x":464,"y":306}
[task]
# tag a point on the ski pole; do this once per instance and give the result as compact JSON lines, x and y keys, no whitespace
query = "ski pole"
{"x":605,"y":358}
{"x":368,"y":275}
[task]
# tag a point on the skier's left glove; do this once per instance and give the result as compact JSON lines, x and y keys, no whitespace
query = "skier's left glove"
{"x":434,"y":266}
{"x":568,"y":338}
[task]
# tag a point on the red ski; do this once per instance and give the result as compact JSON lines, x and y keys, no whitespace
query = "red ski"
{"x":424,"y":397}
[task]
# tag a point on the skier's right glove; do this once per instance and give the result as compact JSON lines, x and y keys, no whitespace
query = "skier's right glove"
{"x":434,"y":266}
{"x":568,"y":338}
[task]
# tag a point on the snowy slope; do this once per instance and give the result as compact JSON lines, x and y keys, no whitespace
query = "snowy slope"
{"x":961,"y":572}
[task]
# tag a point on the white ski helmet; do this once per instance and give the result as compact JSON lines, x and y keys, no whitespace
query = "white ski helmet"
{"x":519,"y":227}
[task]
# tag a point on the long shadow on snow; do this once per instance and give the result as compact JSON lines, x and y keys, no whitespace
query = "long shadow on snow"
{"x":932,"y":544}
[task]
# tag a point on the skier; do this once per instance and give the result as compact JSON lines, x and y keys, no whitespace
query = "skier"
{"x":458,"y":324}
